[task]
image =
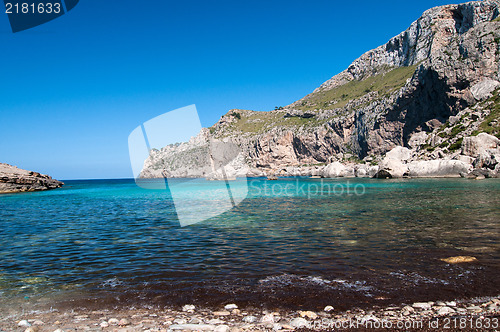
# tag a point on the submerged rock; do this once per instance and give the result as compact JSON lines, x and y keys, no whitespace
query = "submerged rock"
{"x":459,"y":259}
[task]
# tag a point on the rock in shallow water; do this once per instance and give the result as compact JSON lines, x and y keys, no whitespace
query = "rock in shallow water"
{"x":459,"y":259}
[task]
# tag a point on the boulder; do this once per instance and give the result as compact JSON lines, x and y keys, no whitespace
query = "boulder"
{"x":337,"y":170}
{"x":475,"y":145}
{"x":438,"y":168}
{"x":484,"y":88}
{"x":399,"y":153}
{"x":395,"y":162}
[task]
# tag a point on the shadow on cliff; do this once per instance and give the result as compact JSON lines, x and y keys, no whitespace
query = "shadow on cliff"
{"x":430,"y":99}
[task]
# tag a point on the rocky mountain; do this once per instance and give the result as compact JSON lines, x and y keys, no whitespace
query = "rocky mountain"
{"x":430,"y":92}
{"x":13,"y":180}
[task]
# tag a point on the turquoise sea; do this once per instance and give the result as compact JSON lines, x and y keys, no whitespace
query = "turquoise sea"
{"x":291,"y":243}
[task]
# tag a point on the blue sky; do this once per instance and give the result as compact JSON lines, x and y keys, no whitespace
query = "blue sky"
{"x":72,"y":90}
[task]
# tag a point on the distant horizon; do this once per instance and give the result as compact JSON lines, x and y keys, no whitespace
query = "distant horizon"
{"x":68,"y":111}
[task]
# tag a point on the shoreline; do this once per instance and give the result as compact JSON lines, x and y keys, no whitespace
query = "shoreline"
{"x":476,"y":313}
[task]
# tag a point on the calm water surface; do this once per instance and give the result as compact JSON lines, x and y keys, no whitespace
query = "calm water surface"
{"x":111,"y":242}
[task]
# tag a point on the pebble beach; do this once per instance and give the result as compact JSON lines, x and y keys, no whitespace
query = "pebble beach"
{"x":475,"y":314}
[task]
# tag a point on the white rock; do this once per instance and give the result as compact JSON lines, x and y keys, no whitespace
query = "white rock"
{"x":334,"y":170}
{"x":123,"y":322}
{"x":451,"y":304}
{"x":408,"y":308}
{"x":104,"y":324}
{"x":373,"y":170}
{"x":230,"y":306}
{"x":399,"y":153}
{"x":196,"y":320}
{"x":180,"y":321}
{"x":422,"y":305}
{"x":269,"y":318}
{"x":250,"y":319}
{"x":24,"y":323}
{"x":476,"y":145}
{"x":188,"y":307}
{"x":445,"y":311}
{"x":328,"y":308}
{"x":113,"y":321}
{"x":465,"y":159}
{"x":484,"y":88}
{"x":361,"y":173}
{"x":395,"y":167}
{"x":222,"y":328}
{"x":395,"y":161}
{"x":438,"y":168}
{"x":299,"y":323}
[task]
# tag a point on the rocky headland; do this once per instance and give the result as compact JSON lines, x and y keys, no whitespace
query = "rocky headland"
{"x":15,"y":180}
{"x":425,"y":104}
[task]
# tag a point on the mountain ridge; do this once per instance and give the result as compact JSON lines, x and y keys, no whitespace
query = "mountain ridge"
{"x":400,"y":94}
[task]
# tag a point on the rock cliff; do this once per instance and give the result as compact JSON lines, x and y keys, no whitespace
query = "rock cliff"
{"x":431,"y":90}
{"x":13,"y":180}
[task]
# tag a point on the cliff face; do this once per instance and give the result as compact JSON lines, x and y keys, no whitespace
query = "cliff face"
{"x":13,"y":180}
{"x":415,"y":91}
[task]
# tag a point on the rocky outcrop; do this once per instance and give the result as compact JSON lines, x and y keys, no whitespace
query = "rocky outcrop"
{"x":479,"y":156}
{"x":13,"y":180}
{"x":427,"y":90}
{"x":201,"y":157}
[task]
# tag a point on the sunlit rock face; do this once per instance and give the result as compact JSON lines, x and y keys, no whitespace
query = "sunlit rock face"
{"x":427,"y":89}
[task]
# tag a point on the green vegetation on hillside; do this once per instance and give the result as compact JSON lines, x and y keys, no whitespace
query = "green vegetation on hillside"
{"x":491,"y":123}
{"x":338,"y":97}
{"x":259,"y":122}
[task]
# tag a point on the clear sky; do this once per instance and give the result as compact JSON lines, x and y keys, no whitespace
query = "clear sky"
{"x":72,"y":90}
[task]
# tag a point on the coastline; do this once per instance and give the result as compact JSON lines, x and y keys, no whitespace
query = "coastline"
{"x":477,"y":313}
